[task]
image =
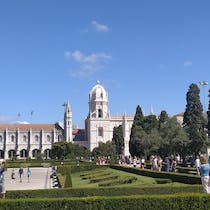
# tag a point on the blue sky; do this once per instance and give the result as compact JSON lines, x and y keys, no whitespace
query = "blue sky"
{"x":144,"y":52}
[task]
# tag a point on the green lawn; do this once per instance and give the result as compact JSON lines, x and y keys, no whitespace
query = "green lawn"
{"x":78,"y":182}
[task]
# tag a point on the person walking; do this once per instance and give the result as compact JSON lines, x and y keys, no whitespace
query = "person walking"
{"x":197,"y":165}
{"x":167,"y":164}
{"x":173,"y":165}
{"x":204,"y":172}
{"x":12,"y":175}
{"x":20,"y":173}
{"x":28,"y":174}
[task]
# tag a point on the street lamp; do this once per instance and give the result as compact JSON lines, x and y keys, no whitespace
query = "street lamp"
{"x":203,"y":83}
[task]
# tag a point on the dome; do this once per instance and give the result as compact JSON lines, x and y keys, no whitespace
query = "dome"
{"x":98,"y":93}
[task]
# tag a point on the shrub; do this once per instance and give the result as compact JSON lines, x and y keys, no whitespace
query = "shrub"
{"x":160,"y":202}
{"x":162,"y":181}
{"x":175,"y":177}
{"x":111,"y":191}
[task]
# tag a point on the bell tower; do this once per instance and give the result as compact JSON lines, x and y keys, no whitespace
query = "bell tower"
{"x":98,"y":102}
{"x":68,"y":122}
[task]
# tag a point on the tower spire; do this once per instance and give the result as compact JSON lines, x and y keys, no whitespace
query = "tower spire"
{"x":151,"y":110}
{"x":68,"y":122}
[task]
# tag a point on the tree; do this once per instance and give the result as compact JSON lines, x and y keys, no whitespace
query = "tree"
{"x":104,"y":150}
{"x":59,"y":150}
{"x":136,"y":132}
{"x":118,"y":139}
{"x":149,"y":123}
{"x":194,"y":121}
{"x":136,"y":141}
{"x":139,"y":117}
{"x":174,"y":139}
{"x":208,"y":117}
{"x":149,"y":144}
{"x":144,"y":138}
{"x":62,"y":150}
{"x":163,"y":118}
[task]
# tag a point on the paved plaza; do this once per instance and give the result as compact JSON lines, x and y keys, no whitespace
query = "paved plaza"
{"x":39,"y":179}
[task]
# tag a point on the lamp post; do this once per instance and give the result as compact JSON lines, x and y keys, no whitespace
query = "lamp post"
{"x":203,"y":83}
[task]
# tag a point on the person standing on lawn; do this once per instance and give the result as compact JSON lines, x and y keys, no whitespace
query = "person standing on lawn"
{"x":204,"y":172}
{"x":197,"y":165}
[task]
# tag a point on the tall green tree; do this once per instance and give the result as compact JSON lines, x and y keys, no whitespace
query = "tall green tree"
{"x":174,"y":139}
{"x":118,"y":139}
{"x":136,"y":132}
{"x":136,"y":141}
{"x":64,"y":150}
{"x":163,"y":118}
{"x":194,"y":121}
{"x":208,"y":117}
{"x":105,"y":149}
{"x":144,"y":138}
{"x":139,"y":117}
{"x":150,"y":123}
{"x":149,"y":143}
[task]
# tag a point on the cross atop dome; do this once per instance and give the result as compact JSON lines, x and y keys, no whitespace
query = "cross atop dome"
{"x":98,"y":82}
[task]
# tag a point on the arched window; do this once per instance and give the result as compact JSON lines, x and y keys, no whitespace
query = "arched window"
{"x":60,"y":138}
{"x":36,"y":138}
{"x":12,"y":138}
{"x":94,"y":97}
{"x":100,"y":131}
{"x":24,"y":138}
{"x":100,"y":113}
{"x":48,"y":138}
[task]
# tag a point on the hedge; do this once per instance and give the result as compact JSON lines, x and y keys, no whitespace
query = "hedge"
{"x":68,"y":180}
{"x":153,"y":202}
{"x":175,"y":177}
{"x":185,"y":170}
{"x":108,"y":191}
{"x":74,"y":168}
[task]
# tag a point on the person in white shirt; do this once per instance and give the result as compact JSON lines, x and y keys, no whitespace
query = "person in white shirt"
{"x":197,"y":165}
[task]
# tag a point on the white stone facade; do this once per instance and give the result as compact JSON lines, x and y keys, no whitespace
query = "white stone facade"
{"x":99,"y":124}
{"x":28,"y":140}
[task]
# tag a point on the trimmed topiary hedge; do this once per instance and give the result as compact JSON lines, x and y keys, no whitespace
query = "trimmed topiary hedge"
{"x":75,"y":168}
{"x":68,"y":180}
{"x":108,"y":191}
{"x":152,"y":202}
{"x":185,"y":170}
{"x":175,"y":177}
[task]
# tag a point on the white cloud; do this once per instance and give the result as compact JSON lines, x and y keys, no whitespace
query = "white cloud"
{"x":67,"y":54}
{"x":99,"y":27}
{"x":88,"y":64}
{"x":22,"y":122}
{"x":99,"y":57}
{"x":77,"y":56}
{"x":85,"y":71}
{"x":188,"y":63}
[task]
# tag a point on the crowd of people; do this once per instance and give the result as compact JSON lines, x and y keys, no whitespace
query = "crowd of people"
{"x":156,"y":163}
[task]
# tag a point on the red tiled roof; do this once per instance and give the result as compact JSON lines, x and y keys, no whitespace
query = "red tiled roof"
{"x":27,"y":126}
{"x":181,"y":114}
{"x":78,"y":131}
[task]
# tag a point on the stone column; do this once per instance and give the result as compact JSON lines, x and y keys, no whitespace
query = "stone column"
{"x":6,"y":156}
{"x":29,"y":144}
{"x":17,"y":142}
